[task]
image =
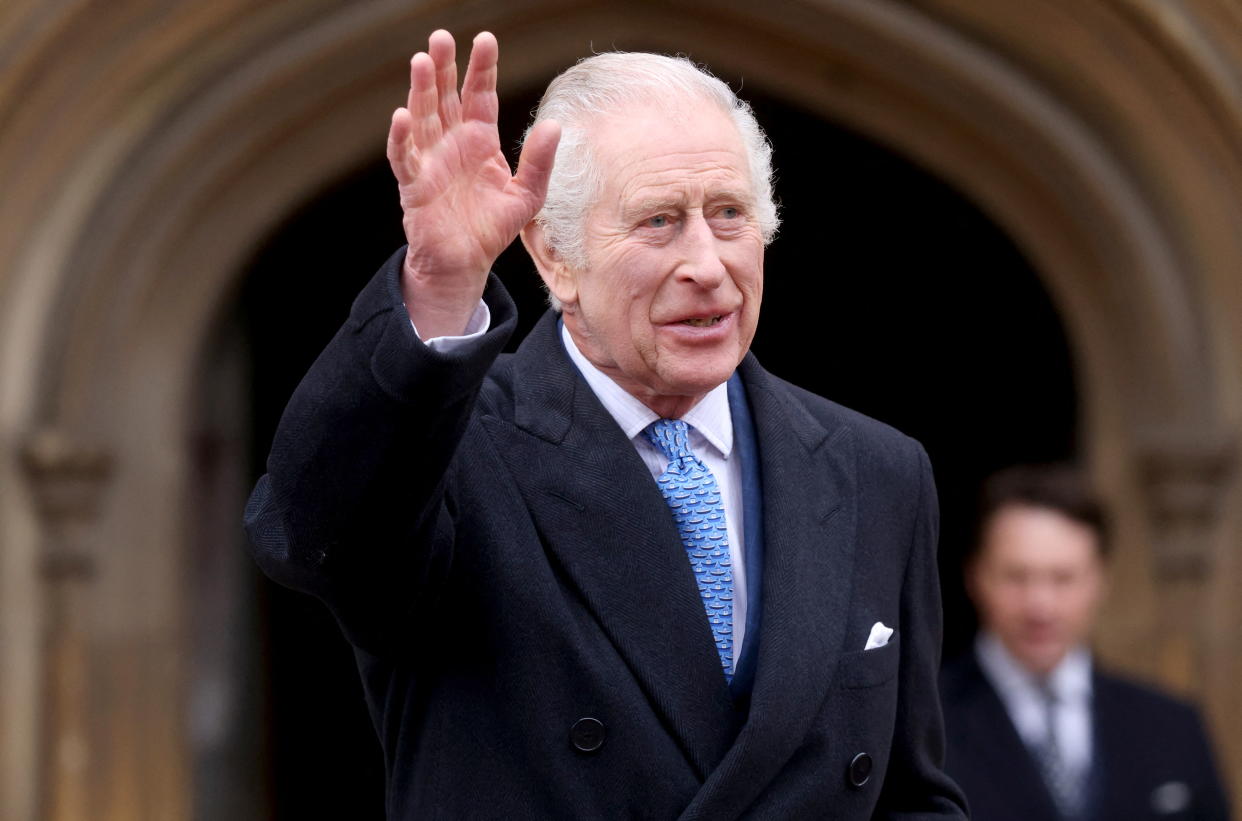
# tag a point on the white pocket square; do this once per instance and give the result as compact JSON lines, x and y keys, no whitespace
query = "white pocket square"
{"x":1171,"y":797}
{"x":879,"y":636}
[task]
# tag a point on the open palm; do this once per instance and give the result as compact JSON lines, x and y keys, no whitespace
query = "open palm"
{"x":462,"y":206}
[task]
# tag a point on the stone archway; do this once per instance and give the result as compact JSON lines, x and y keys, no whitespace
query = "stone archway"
{"x":1111,"y":156}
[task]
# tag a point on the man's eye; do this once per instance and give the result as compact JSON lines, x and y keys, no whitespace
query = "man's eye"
{"x":730,"y":213}
{"x":658,"y":222}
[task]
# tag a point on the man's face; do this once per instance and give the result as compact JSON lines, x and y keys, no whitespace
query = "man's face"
{"x":669,"y":299}
{"x":1037,"y":582}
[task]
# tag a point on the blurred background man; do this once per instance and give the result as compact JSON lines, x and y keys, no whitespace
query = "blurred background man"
{"x":1035,"y":729}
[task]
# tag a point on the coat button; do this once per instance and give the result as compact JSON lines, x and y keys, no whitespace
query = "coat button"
{"x":587,"y":734}
{"x":860,"y":769}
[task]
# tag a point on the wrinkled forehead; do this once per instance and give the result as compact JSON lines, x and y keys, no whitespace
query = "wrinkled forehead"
{"x":645,"y":136}
{"x":662,"y":107}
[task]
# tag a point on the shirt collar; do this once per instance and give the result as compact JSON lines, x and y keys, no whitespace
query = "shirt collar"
{"x":1069,"y":680}
{"x":711,"y":416}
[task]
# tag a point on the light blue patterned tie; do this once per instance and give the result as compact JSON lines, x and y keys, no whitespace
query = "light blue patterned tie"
{"x":694,"y":497}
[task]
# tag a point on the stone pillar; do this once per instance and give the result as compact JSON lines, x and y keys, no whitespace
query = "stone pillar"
{"x":67,"y":480}
{"x":1184,"y":480}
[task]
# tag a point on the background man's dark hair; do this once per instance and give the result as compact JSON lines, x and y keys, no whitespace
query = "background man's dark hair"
{"x":1061,"y":487}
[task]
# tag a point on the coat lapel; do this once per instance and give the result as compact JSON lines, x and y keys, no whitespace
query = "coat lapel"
{"x":809,"y":491}
{"x":1110,"y":786}
{"x":605,"y":524}
{"x":998,"y":750}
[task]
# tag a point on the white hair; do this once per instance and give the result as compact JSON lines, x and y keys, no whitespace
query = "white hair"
{"x":605,"y":83}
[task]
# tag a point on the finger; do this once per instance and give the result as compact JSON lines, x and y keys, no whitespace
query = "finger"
{"x":535,"y":164}
{"x":414,"y":81}
{"x":424,"y":106}
{"x":443,"y":53}
{"x":478,"y":91}
{"x":402,"y":156}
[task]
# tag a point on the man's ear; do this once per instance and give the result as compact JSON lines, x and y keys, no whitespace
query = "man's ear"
{"x":560,"y":281}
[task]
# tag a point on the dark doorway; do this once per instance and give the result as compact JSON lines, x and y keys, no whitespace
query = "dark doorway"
{"x":886,"y":291}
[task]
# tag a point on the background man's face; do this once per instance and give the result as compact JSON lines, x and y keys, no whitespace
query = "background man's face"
{"x":1037,"y":582}
{"x":669,"y":299}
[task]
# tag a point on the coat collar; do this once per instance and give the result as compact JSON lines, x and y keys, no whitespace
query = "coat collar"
{"x":605,"y":523}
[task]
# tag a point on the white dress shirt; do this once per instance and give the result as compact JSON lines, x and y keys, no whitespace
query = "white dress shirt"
{"x":479,"y":322}
{"x":711,"y":439}
{"x":1020,"y":692}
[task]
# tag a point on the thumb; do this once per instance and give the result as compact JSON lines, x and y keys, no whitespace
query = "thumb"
{"x":535,"y":163}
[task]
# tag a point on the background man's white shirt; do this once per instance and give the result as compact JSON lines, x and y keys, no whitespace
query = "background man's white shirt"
{"x":1019,"y":691}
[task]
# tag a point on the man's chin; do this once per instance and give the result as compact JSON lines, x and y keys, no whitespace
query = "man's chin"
{"x":1042,"y":658}
{"x":699,"y":384}
{"x":698,"y":374}
{"x":674,"y":394}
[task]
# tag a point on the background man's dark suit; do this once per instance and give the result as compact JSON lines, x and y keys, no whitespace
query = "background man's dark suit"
{"x":1150,"y":751}
{"x":505,"y":566}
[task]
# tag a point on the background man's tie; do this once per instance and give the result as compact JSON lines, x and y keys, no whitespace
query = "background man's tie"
{"x":1067,"y":787}
{"x":694,"y":497}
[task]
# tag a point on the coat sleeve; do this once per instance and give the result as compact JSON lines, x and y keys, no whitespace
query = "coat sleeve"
{"x":916,"y":786}
{"x":351,"y":509}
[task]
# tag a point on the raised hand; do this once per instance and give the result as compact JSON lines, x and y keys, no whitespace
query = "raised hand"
{"x":461,"y":204}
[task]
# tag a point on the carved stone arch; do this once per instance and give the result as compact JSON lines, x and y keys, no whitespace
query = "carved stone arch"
{"x":137,"y":227}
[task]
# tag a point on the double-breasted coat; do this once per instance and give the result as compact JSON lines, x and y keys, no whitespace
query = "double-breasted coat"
{"x":527,"y":626}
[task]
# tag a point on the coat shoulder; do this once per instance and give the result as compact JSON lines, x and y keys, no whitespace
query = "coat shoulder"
{"x":1132,"y":697}
{"x":496,"y":395}
{"x":878,"y":441}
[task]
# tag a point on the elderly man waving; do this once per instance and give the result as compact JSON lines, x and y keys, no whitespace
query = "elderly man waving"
{"x":623,"y":572}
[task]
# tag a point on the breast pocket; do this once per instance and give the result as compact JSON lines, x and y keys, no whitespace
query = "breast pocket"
{"x":869,"y":668}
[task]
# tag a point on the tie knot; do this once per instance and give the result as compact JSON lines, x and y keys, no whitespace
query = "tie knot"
{"x":1047,"y":692}
{"x":672,"y":437}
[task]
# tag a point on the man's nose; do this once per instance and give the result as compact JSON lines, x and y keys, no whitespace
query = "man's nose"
{"x":701,"y":254}
{"x":1041,"y":598}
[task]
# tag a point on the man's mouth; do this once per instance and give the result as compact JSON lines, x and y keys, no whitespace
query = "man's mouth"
{"x":702,"y":321}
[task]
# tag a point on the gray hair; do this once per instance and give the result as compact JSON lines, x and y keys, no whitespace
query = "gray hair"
{"x":604,"y":83}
